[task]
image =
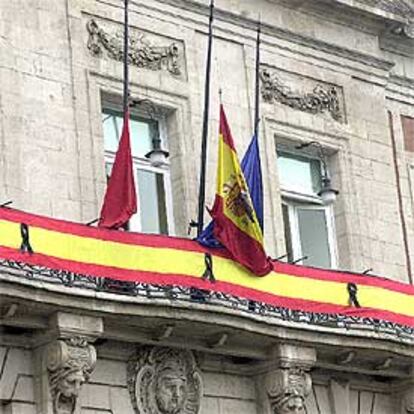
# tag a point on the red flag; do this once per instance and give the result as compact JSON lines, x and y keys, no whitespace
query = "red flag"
{"x":120,"y":201}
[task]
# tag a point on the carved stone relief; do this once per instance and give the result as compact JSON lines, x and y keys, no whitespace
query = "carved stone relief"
{"x":409,"y":400}
{"x":403,"y":8}
{"x":164,"y":381}
{"x":400,"y":7}
{"x":404,"y":30}
{"x":70,"y":363}
{"x":142,"y":53}
{"x":287,"y":389}
{"x":322,"y":97}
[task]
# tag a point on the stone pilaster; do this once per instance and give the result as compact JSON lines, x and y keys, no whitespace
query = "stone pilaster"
{"x":285,"y":386}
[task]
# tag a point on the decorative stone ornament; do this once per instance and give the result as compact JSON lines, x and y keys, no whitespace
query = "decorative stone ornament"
{"x":287,"y":389}
{"x":141,"y":52}
{"x":70,"y":363}
{"x":164,"y":381}
{"x":406,"y":30}
{"x":322,"y":98}
{"x":409,"y":400}
{"x":401,"y":7}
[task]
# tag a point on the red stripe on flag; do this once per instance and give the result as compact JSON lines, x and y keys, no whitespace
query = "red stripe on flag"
{"x":243,"y":248}
{"x":172,"y":279}
{"x":341,"y":276}
{"x":225,"y":130}
{"x":160,"y":241}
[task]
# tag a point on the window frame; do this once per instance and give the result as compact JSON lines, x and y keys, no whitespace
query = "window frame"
{"x":143,"y":163}
{"x":292,"y":211}
{"x":293,"y":200}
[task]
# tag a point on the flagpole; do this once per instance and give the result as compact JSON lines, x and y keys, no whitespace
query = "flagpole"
{"x":126,"y":52}
{"x":202,"y":185}
{"x":257,"y":88}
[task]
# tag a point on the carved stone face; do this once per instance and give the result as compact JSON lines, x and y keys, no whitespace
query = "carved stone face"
{"x":294,"y":405}
{"x":71,"y":384}
{"x":171,"y":392}
{"x":67,"y":390}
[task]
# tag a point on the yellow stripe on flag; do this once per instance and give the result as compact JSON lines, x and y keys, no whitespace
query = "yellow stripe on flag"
{"x":229,"y":171}
{"x":163,"y":260}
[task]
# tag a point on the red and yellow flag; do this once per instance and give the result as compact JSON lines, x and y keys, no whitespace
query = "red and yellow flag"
{"x":235,"y":220}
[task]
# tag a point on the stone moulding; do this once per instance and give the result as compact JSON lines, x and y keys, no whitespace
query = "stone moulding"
{"x":406,"y":30}
{"x":164,"y":381}
{"x":399,"y":7}
{"x":323,"y":98}
{"x":142,"y":53}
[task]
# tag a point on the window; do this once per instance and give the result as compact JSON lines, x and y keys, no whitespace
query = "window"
{"x":408,"y":131}
{"x":153,"y":183}
{"x":308,"y":224}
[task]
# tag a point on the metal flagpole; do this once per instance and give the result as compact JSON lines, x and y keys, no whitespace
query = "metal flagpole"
{"x":126,"y":52}
{"x":257,"y":91}
{"x":202,"y":186}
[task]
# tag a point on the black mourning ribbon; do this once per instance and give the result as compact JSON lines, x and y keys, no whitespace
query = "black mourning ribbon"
{"x":353,"y":290}
{"x":25,"y":247}
{"x":208,"y":273}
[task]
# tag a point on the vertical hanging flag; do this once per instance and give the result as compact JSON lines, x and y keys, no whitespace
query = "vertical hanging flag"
{"x":251,"y":165}
{"x":236,"y":225}
{"x":120,"y":201}
{"x":252,"y":171}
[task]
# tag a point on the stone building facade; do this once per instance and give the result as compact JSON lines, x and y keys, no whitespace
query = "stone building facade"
{"x":338,"y":72}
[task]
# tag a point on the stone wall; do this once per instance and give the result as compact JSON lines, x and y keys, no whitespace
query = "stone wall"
{"x":16,"y":381}
{"x":54,"y":82}
{"x":223,"y":393}
{"x":55,"y":78}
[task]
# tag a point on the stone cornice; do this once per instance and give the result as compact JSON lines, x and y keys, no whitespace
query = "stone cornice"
{"x":235,"y":26}
{"x":357,"y":60}
{"x":390,"y":9}
{"x":398,"y":14}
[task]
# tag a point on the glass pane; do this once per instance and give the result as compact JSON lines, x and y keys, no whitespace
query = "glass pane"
{"x":111,"y":135}
{"x":288,"y":232}
{"x":314,"y":237}
{"x":152,"y":202}
{"x":299,"y":174}
{"x":140,"y":130}
{"x":108,"y":170}
{"x":140,"y":138}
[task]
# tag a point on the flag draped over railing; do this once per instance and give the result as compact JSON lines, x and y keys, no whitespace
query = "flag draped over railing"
{"x":171,"y":261}
{"x":120,"y":201}
{"x":236,"y":224}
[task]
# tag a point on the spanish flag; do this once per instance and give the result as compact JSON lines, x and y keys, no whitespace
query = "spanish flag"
{"x":235,"y":221}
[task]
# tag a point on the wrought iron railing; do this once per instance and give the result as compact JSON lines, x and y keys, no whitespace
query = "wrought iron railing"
{"x":205,"y":297}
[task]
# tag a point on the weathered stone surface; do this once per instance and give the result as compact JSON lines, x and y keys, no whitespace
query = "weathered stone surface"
{"x":52,"y":90}
{"x":164,"y":381}
{"x":69,"y":363}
